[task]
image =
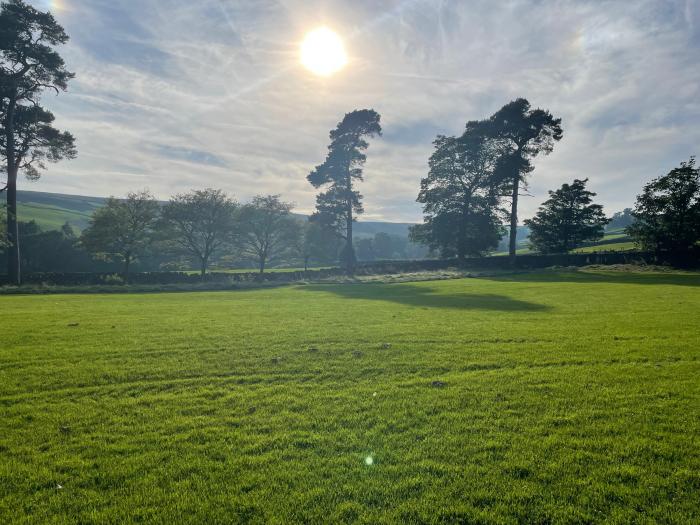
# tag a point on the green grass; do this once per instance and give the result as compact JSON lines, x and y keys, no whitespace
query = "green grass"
{"x":563,"y":398}
{"x":610,"y":247}
{"x":50,"y":218}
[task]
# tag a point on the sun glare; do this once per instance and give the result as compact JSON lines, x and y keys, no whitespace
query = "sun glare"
{"x":322,"y":52}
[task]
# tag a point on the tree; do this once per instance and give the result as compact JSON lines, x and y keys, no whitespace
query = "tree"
{"x":316,"y":243}
{"x":337,"y":207}
{"x":53,"y":250}
{"x":567,"y":219}
{"x":29,"y":65}
{"x":364,"y":249}
{"x":122,"y":229}
{"x":667,"y":213}
{"x":383,"y":245}
{"x":621,"y":219}
{"x":524,"y":133}
{"x":268,"y":230}
{"x":200,"y":223}
{"x":460,"y":196}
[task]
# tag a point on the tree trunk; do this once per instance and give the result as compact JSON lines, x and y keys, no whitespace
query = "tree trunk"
{"x":203,"y":267}
{"x":127,"y":264}
{"x":13,"y":253}
{"x":462,"y":241}
{"x":306,"y":264}
{"x":514,"y":220}
{"x":262,"y":264}
{"x":349,"y":249}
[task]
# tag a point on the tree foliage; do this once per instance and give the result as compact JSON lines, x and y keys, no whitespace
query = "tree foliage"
{"x":460,"y":196}
{"x":122,"y":229}
{"x":567,"y":219}
{"x":268,"y":230}
{"x":523,"y":133}
{"x":667,"y":212}
{"x":621,"y":219}
{"x":337,"y":207}
{"x":200,"y":223}
{"x":317,"y":243}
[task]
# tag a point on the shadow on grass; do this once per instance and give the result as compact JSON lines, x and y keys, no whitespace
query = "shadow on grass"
{"x":601,"y":276}
{"x":427,"y":297}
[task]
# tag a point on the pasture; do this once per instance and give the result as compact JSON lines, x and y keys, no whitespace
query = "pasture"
{"x":551,"y":397}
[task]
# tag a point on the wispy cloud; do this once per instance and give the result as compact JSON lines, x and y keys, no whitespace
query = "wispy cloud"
{"x":174,"y":94}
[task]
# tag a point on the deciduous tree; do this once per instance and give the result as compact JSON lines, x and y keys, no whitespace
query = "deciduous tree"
{"x":667,"y":213}
{"x":122,"y":229}
{"x":460,"y":196}
{"x":268,"y":230}
{"x":317,"y":244}
{"x":200,"y":223}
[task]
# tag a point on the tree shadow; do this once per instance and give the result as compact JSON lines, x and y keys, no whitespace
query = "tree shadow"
{"x":601,"y":276}
{"x":427,"y":297}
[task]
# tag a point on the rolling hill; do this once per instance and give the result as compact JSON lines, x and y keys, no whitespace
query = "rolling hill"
{"x":52,"y":210}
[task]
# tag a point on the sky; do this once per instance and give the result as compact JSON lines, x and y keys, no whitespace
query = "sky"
{"x":172,"y":95}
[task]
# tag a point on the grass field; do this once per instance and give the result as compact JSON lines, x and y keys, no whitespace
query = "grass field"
{"x":546,"y":398}
{"x":609,"y":247}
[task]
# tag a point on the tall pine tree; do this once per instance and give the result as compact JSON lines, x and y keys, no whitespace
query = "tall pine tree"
{"x":29,"y":65}
{"x":339,"y":205}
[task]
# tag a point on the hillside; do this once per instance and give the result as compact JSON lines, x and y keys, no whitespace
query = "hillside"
{"x":53,"y":210}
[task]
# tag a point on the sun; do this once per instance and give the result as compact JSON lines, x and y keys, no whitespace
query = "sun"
{"x":322,"y":52}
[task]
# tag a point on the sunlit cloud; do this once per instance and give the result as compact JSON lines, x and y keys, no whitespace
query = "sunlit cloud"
{"x":174,"y":94}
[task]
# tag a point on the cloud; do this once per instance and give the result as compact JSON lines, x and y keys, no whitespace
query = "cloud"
{"x":174,"y":94}
{"x":189,"y":155}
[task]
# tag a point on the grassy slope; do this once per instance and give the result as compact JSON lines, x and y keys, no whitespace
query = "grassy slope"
{"x":568,"y":397}
{"x":53,"y":210}
{"x":609,"y":247}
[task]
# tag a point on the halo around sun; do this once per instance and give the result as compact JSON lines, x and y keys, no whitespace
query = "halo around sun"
{"x":322,"y":52}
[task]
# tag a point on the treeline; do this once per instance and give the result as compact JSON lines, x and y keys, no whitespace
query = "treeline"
{"x":474,"y":182}
{"x":195,"y":230}
{"x":191,"y":230}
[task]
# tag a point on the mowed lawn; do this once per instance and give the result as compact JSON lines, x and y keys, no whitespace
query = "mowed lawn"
{"x":536,"y":398}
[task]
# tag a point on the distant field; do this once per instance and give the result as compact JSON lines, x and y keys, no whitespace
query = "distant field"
{"x":610,"y":247}
{"x":50,"y":218}
{"x":543,"y":398}
{"x":613,"y":241}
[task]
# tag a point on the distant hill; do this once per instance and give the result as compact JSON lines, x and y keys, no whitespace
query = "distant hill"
{"x":53,"y":210}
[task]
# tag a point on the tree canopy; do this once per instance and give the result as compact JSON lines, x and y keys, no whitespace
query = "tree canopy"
{"x":200,"y":223}
{"x":524,"y":133}
{"x":667,"y":212}
{"x":122,"y":229}
{"x":460,"y":196}
{"x":567,"y":219}
{"x":268,"y":230}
